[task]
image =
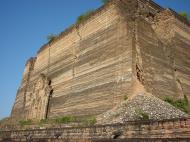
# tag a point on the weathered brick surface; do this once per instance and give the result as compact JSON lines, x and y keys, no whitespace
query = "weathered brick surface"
{"x":173,"y":130}
{"x":90,"y":67}
{"x":162,"y":54}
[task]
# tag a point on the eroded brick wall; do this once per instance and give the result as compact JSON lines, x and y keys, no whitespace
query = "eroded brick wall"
{"x":161,"y":55}
{"x":177,"y":130}
{"x":89,"y":67}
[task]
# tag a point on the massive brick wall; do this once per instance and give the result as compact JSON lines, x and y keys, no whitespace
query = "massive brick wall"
{"x":162,"y":58}
{"x":181,"y":42}
{"x":90,"y":67}
{"x":101,"y":66}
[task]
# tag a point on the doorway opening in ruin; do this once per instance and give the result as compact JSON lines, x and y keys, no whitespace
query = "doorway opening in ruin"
{"x":117,"y":134}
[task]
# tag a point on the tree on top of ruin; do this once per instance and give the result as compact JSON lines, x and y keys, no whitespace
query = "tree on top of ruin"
{"x":185,"y":15}
{"x":51,"y":37}
{"x":84,"y":16}
{"x":105,"y":1}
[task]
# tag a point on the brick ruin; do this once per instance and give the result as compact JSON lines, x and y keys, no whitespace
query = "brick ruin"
{"x":176,"y":130}
{"x":91,"y":66}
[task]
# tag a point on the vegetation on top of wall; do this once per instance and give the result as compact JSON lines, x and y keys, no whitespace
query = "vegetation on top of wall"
{"x":80,"y":18}
{"x":105,"y":1}
{"x":51,"y":38}
{"x":185,"y":15}
{"x":84,"y":16}
{"x":182,"y":104}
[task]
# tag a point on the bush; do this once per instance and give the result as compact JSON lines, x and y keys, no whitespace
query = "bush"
{"x":181,"y":104}
{"x":125,"y":97}
{"x":185,"y":15}
{"x":65,"y":119}
{"x":84,"y":16}
{"x":51,"y":37}
{"x":142,"y":115}
{"x":169,"y":100}
{"x":43,"y":121}
{"x":89,"y":121}
{"x":105,"y":1}
{"x":25,"y":122}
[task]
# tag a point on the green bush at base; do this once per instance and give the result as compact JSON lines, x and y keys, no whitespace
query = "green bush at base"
{"x":181,"y":104}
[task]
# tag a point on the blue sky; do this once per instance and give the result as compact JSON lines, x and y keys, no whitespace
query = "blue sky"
{"x":24,"y":26}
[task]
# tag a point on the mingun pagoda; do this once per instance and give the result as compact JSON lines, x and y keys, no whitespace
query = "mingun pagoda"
{"x":124,"y":49}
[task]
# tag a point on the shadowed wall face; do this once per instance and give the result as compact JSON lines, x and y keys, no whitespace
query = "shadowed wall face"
{"x":162,"y":53}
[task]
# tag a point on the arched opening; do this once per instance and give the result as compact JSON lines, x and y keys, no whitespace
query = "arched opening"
{"x":117,"y":134}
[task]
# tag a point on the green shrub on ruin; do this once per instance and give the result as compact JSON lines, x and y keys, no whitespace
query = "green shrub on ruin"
{"x":25,"y":122}
{"x":43,"y":121}
{"x":169,"y":100}
{"x":141,"y":115}
{"x":51,"y":38}
{"x":116,"y":114}
{"x":125,"y":97}
{"x":182,"y":104}
{"x":65,"y":119}
{"x":105,"y":1}
{"x":89,"y":121}
{"x":185,"y":15}
{"x":84,"y":16}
